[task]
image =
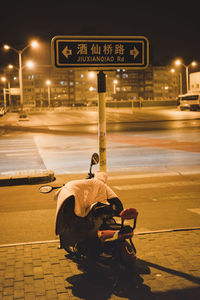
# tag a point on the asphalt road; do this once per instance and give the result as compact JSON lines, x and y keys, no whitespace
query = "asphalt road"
{"x":154,"y":157}
{"x":164,"y":201}
{"x":157,"y":139}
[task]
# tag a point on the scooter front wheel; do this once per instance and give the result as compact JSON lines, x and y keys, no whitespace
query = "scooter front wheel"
{"x":72,"y":250}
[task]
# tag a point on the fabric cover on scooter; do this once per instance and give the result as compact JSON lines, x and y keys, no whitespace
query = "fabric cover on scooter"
{"x":86,"y":193}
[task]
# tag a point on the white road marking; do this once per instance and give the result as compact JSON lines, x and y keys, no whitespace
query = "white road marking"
{"x":16,"y":150}
{"x":155,"y":185}
{"x":20,"y":154}
{"x":150,"y":175}
{"x":194,"y":210}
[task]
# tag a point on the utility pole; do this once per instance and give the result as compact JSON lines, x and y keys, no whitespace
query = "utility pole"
{"x":101,"y":80}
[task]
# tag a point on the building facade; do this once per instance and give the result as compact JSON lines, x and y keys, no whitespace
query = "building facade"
{"x":195,"y":82}
{"x":47,"y":86}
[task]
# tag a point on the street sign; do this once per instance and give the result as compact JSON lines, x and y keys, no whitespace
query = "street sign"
{"x":100,"y":52}
{"x":14,"y":91}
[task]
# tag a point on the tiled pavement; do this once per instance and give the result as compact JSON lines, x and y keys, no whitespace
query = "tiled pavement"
{"x":168,"y":267}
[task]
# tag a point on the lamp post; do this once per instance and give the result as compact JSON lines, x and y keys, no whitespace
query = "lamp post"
{"x":48,"y":83}
{"x":4,"y":79}
{"x":33,"y":44}
{"x":178,"y":62}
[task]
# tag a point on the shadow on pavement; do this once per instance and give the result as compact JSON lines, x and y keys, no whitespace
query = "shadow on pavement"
{"x":96,"y":284}
{"x":100,"y":284}
{"x":173,"y":272}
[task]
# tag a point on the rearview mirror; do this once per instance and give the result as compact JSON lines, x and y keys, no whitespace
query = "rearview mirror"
{"x":95,"y":159}
{"x":45,"y":189}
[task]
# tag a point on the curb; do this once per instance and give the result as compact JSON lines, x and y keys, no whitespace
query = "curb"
{"x":22,"y":178}
{"x":135,"y":234}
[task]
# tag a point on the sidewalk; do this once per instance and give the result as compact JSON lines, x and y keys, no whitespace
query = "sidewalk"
{"x":168,"y":267}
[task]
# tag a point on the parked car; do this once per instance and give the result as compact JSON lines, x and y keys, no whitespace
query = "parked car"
{"x":189,"y":101}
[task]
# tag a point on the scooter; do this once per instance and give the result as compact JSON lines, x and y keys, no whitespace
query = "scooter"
{"x":107,"y":243}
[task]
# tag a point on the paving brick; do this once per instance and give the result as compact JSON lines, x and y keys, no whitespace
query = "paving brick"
{"x":49,"y":282}
{"x":29,"y":296}
{"x":47,"y":268}
{"x":18,"y":285}
{"x":7,"y":297}
{"x":51,"y":295}
{"x":28,"y":285}
{"x":28,"y":270}
{"x":19,"y":274}
{"x":39,"y":287}
{"x":8,"y":291}
{"x":56,"y":269}
{"x":8,"y":282}
{"x":65,"y":296}
{"x":19,"y":264}
{"x":18,"y":293}
{"x":36,"y":262}
{"x":38,"y":273}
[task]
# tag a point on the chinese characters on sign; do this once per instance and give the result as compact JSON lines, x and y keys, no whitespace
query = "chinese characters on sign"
{"x":100,"y":53}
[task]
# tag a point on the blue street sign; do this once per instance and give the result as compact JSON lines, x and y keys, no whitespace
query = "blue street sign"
{"x":100,"y":52}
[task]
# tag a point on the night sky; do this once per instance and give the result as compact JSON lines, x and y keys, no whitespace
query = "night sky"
{"x":172,"y":27}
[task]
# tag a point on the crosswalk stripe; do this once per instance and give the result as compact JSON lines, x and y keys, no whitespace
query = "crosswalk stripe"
{"x":194,"y":210}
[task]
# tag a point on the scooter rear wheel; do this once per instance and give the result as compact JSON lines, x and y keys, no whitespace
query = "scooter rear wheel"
{"x":127,"y":252}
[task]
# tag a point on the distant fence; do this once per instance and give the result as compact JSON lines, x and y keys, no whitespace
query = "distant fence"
{"x":143,"y":103}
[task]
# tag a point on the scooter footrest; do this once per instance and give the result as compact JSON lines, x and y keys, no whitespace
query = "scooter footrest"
{"x":107,"y":234}
{"x":114,"y":235}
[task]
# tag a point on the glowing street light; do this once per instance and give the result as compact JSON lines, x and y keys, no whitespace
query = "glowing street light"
{"x":91,"y":75}
{"x":3,"y":79}
{"x":30,"y":64}
{"x":10,"y":67}
{"x":179,"y":62}
{"x":33,"y":44}
{"x":48,"y":83}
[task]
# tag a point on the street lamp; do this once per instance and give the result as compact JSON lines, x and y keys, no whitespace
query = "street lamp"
{"x":179,"y":62}
{"x":48,"y":83}
{"x":4,"y":79}
{"x":33,"y":44}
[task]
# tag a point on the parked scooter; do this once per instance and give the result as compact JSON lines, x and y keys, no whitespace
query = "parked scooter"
{"x":86,"y":225}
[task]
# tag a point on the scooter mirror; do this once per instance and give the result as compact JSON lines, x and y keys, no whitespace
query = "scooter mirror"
{"x":45,"y":189}
{"x":95,"y":159}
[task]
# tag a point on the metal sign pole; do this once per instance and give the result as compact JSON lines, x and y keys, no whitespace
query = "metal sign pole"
{"x":4,"y":97}
{"x":101,"y":79}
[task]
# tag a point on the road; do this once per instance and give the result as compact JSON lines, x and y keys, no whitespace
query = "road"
{"x":153,"y":164}
{"x":164,"y":201}
{"x":164,"y":139}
